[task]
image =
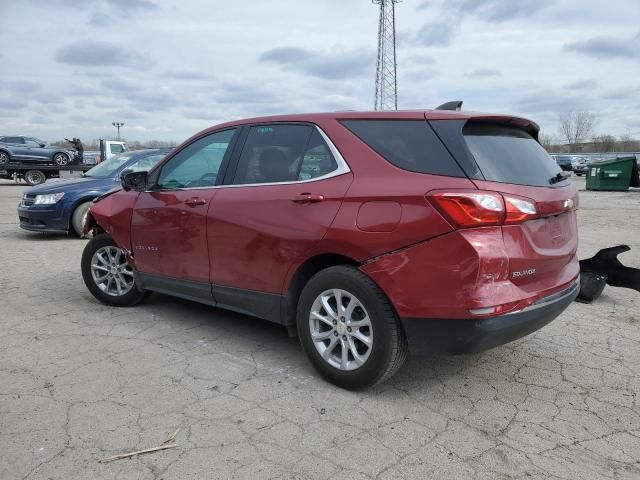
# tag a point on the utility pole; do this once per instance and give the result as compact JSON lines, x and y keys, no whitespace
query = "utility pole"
{"x":118,"y":125}
{"x":386,"y":82}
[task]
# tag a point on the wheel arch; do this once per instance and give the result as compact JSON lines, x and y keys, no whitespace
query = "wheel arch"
{"x":299,"y":279}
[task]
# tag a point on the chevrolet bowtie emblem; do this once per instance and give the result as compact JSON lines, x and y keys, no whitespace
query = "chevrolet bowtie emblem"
{"x":568,"y":203}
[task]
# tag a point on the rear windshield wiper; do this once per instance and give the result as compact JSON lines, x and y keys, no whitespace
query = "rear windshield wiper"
{"x":560,"y":176}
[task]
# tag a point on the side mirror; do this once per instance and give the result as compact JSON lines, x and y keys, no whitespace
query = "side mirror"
{"x":42,"y":145}
{"x":134,"y":180}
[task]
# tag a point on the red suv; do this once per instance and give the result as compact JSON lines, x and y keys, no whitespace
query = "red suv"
{"x":369,"y":235}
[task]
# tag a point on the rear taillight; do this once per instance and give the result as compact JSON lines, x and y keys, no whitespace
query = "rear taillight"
{"x":477,"y":208}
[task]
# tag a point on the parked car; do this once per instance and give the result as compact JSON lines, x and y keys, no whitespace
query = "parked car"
{"x":564,"y":162}
{"x":90,"y":157}
{"x":369,"y":234}
{"x":28,"y":149}
{"x":579,"y":165}
{"x":61,"y":205}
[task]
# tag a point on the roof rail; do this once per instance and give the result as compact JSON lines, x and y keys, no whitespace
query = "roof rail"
{"x":454,"y":105}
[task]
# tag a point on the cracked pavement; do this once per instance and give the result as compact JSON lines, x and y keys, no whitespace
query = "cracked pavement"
{"x":80,"y":381}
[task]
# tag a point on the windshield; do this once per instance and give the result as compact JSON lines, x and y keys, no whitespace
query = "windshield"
{"x":116,"y":164}
{"x":109,"y":167}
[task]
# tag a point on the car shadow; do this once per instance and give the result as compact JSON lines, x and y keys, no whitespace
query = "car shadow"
{"x":38,"y":236}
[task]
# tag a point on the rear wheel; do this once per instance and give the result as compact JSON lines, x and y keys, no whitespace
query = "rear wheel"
{"x":349,"y":329}
{"x":60,"y":159}
{"x":107,"y":274}
{"x":34,"y":177}
{"x":78,"y":217}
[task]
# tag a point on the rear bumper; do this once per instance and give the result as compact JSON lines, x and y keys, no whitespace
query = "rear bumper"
{"x":451,"y":336}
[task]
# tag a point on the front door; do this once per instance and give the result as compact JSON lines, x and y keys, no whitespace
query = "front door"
{"x":169,"y":223}
{"x":284,"y":194}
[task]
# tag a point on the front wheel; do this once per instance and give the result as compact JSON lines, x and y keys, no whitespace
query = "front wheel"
{"x":78,"y":217}
{"x":4,"y":157}
{"x":107,"y":274}
{"x":349,"y":329}
{"x":60,"y":159}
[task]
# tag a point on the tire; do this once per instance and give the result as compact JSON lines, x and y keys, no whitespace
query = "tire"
{"x":61,"y":159}
{"x":4,"y":157}
{"x":78,"y":217}
{"x":387,"y":349}
{"x":104,"y":247}
{"x":34,"y":177}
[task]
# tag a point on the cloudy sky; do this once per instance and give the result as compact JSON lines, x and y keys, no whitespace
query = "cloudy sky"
{"x":168,"y":69}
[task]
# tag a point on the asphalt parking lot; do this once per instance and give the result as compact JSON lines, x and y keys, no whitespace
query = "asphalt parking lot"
{"x":80,"y":381}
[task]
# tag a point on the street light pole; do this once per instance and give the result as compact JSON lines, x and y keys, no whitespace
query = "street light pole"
{"x":118,"y":125}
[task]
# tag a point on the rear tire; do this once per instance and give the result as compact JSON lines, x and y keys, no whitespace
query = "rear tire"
{"x":78,"y":217}
{"x":103,"y":268}
{"x":34,"y":177}
{"x":376,"y":346}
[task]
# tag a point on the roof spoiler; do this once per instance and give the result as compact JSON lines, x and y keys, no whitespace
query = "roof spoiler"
{"x":454,"y":105}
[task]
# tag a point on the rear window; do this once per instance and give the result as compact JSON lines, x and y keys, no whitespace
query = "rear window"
{"x":409,"y":144}
{"x":117,"y":148}
{"x":509,"y":155}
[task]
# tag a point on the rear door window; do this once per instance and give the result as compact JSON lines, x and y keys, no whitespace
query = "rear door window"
{"x":509,"y":155}
{"x":275,"y":154}
{"x":409,"y":144}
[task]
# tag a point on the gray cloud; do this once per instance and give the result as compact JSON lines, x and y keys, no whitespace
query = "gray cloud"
{"x":484,"y":73}
{"x":551,"y":101}
{"x":100,"y":19}
{"x":439,"y":33}
{"x":582,"y":84}
{"x":501,"y":10}
{"x":186,"y":75}
{"x":603,"y":47}
{"x":12,"y":103}
{"x":329,"y":66}
{"x":98,"y":54}
{"x":21,"y":87}
{"x":423,"y":6}
{"x":120,"y":85}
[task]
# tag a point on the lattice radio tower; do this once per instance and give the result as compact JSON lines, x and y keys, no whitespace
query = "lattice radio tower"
{"x":386,"y":83}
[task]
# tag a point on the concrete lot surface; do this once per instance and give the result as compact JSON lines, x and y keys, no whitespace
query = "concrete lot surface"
{"x":80,"y":381}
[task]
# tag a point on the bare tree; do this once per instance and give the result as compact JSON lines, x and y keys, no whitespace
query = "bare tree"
{"x":575,"y":127}
{"x":626,"y":143}
{"x":546,"y":141}
{"x":604,"y":143}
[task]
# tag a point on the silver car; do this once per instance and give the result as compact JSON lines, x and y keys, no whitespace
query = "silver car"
{"x":28,"y":149}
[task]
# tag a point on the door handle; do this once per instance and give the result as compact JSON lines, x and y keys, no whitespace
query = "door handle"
{"x":195,"y":201}
{"x":307,"y":198}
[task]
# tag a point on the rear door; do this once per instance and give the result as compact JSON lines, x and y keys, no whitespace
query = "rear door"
{"x":509,"y":160}
{"x":281,"y":198}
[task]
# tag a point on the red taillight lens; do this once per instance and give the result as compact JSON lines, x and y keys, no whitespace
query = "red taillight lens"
{"x":470,"y":209}
{"x":467,"y":209}
{"x":519,"y":209}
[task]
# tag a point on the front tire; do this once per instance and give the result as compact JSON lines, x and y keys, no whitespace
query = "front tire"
{"x":4,"y":157}
{"x":78,"y":218}
{"x":107,"y":274}
{"x":349,"y":329}
{"x":61,"y":159}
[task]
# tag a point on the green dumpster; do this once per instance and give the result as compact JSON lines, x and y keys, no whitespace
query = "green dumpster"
{"x":613,"y":175}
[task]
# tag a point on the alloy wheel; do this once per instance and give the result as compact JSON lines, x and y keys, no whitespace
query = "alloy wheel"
{"x":111,"y":272}
{"x":341,"y":329}
{"x":61,"y":159}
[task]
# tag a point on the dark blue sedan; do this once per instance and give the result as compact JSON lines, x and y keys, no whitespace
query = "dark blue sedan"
{"x":61,"y":205}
